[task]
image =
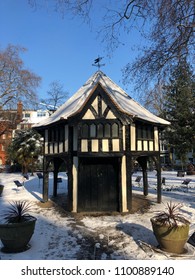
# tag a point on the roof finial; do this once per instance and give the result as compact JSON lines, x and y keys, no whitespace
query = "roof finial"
{"x":97,"y":62}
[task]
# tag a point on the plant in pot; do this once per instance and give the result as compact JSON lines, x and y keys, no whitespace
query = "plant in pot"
{"x":17,"y":227}
{"x":171,"y":229}
{"x":190,"y":169}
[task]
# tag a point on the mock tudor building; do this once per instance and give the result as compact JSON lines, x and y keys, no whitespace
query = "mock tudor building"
{"x":98,"y":133}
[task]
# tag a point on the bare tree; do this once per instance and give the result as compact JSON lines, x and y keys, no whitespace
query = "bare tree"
{"x":16,"y":82}
{"x":154,"y":99}
{"x":57,"y":95}
{"x":166,"y":26}
{"x":171,"y":37}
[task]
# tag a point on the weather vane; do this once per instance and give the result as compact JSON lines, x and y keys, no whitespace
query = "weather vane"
{"x":97,"y":62}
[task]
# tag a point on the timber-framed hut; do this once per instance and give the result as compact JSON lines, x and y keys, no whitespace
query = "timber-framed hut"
{"x":98,"y":134}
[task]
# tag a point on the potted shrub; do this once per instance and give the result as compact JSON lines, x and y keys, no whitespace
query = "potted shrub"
{"x":190,"y":169}
{"x":17,"y":227}
{"x":171,"y":229}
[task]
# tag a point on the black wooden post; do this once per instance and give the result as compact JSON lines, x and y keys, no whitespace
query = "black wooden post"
{"x":145,"y":175}
{"x":129,"y":168}
{"x":145,"y":181}
{"x":55,"y":181}
{"x":45,"y":180}
{"x":143,"y":162}
{"x":159,"y":198}
{"x":69,"y":167}
{"x":57,"y":163}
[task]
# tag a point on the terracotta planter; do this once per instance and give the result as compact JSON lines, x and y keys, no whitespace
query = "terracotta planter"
{"x":16,"y":236}
{"x":1,"y":189}
{"x":171,"y":238}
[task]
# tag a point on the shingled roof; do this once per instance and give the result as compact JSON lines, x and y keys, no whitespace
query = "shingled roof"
{"x":119,"y":97}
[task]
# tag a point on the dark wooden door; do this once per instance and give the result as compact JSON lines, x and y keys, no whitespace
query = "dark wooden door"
{"x":98,"y":188}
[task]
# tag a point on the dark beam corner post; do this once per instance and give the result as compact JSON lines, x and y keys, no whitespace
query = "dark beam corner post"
{"x":57,"y":164}
{"x":159,"y":196}
{"x":143,"y":163}
{"x":70,"y":170}
{"x":145,"y":181}
{"x":158,"y":170}
{"x":55,"y":180}
{"x":45,"y":180}
{"x":129,"y":168}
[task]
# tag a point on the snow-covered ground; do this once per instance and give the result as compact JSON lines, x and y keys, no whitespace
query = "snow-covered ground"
{"x":60,"y":235}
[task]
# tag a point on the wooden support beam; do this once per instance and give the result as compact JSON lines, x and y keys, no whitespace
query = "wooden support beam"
{"x":143,"y":163}
{"x":45,"y":180}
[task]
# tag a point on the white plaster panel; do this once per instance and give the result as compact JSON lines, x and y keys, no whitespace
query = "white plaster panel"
{"x":151,"y":145}
{"x":95,"y":104}
{"x":110,"y":115}
{"x":115,"y":145}
{"x":133,"y":138}
{"x":104,"y":106}
{"x":94,"y":145}
{"x":55,"y":148}
{"x":84,"y":145}
{"x":46,"y":147}
{"x":156,"y":140}
{"x":145,"y":145}
{"x":51,"y":148}
{"x":139,"y":145}
{"x":105,"y":145}
{"x":88,"y":115}
{"x":60,"y":147}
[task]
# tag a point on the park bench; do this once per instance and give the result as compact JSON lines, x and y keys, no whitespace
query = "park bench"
{"x":163,"y":181}
{"x":59,"y":180}
{"x":18,"y":184}
{"x":138,"y":180}
{"x":40,"y":176}
{"x":186,"y":183}
{"x":180,"y":173}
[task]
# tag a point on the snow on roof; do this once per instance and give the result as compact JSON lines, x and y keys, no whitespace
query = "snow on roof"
{"x":119,"y":97}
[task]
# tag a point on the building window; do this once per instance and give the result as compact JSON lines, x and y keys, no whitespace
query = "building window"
{"x":26,"y":115}
{"x":115,"y":130}
{"x":145,"y":132}
{"x":85,"y":131}
{"x":107,"y":130}
{"x":93,"y":130}
{"x":61,"y":132}
{"x":100,"y":130}
{"x":41,"y":114}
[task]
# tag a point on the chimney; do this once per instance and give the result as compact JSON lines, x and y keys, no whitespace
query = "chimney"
{"x":19,"y":112}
